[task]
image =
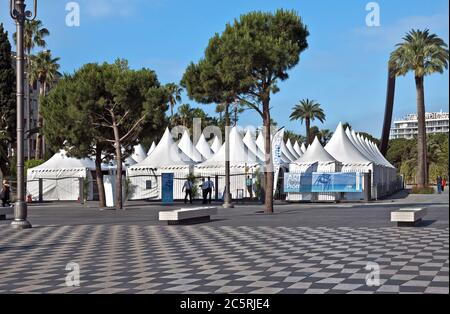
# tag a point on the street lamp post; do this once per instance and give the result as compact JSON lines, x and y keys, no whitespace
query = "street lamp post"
{"x":20,"y":15}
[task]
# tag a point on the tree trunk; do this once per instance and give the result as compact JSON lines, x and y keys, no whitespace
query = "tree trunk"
{"x":269,"y":169}
{"x":308,"y":131}
{"x":28,"y":104}
{"x":422,"y":136}
{"x":38,"y":153}
{"x":119,"y":201}
{"x":227,"y":197}
{"x":99,"y":178}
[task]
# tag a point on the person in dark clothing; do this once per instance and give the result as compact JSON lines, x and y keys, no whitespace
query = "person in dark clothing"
{"x":5,"y":194}
{"x":187,"y":188}
{"x":439,"y":184}
{"x":204,"y":188}
{"x":209,"y":189}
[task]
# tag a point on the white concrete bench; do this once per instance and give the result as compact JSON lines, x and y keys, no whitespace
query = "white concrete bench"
{"x":4,"y":211}
{"x":188,"y":215}
{"x":408,"y":216}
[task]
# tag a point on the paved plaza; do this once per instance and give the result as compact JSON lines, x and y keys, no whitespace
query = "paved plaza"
{"x":303,"y":248}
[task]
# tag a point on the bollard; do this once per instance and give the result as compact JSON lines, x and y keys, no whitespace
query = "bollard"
{"x":368,"y":186}
{"x":81,"y":189}
{"x":41,"y":189}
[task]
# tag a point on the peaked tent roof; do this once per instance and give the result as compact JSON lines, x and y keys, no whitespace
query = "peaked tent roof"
{"x":152,"y":148}
{"x":203,"y":148}
{"x":297,"y":149}
{"x":216,"y":145}
{"x":188,"y":148}
{"x":291,"y":149}
{"x":251,"y":145}
{"x":139,"y":153}
{"x":355,"y":141}
{"x":60,"y":161}
{"x":239,"y":153}
{"x":303,"y":148}
{"x":316,"y":154}
{"x":343,"y":150}
{"x":166,"y":154}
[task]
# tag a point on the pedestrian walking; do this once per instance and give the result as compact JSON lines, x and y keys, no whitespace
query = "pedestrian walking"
{"x":209,"y":189}
{"x":444,"y":183}
{"x":204,"y":188}
{"x":439,"y":184}
{"x":5,"y":194}
{"x":249,"y":185}
{"x":187,"y":188}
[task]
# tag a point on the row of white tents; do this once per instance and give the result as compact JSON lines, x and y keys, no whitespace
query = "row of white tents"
{"x":347,"y":151}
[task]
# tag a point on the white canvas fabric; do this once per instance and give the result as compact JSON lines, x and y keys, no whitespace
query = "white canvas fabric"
{"x":291,"y":149}
{"x":152,"y":148}
{"x":316,"y":154}
{"x":60,"y":175}
{"x":298,"y":149}
{"x":240,"y":155}
{"x":251,"y":145}
{"x":166,"y":154}
{"x":216,"y":145}
{"x":303,"y":148}
{"x":188,"y":148}
{"x":203,"y":148}
{"x":343,"y":150}
{"x":139,"y":154}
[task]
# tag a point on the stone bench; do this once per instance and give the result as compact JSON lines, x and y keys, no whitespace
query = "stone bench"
{"x":188,"y":215}
{"x":406,"y":217}
{"x":4,"y":211}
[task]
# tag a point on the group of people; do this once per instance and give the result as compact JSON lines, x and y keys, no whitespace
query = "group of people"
{"x":207,"y":188}
{"x":441,"y":183}
{"x":5,"y":193}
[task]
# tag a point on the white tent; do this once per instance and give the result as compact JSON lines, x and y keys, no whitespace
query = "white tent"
{"x":215,"y":146}
{"x":145,"y":177}
{"x":60,"y":178}
{"x":291,"y":149}
{"x":188,"y":148}
{"x":139,"y":153}
{"x":297,"y":149}
{"x":251,"y":145}
{"x":152,"y":148}
{"x":303,"y":148}
{"x":286,"y":156}
{"x":315,"y":159}
{"x":242,"y":161}
{"x":203,"y":148}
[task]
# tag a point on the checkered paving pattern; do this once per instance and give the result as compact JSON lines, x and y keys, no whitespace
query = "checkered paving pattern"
{"x":205,"y":259}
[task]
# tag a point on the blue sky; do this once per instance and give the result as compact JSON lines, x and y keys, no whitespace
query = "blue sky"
{"x":344,"y":68}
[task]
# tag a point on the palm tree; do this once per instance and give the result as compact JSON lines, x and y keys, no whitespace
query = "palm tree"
{"x":174,"y":96}
{"x":34,"y":36}
{"x":325,"y":136}
{"x":185,"y":113}
{"x":424,"y":54}
{"x":308,"y":110}
{"x":44,"y":69}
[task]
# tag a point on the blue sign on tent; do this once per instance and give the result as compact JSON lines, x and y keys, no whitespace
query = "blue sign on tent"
{"x":315,"y":182}
{"x":167,"y":188}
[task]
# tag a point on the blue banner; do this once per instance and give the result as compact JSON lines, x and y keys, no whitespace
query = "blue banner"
{"x":316,"y":182}
{"x":167,"y":188}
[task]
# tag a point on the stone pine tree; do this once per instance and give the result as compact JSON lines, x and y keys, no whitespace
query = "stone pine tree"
{"x":7,"y":101}
{"x":109,"y":107}
{"x":251,"y":57}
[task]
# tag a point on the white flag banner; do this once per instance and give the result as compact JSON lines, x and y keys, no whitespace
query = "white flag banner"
{"x":276,"y":155}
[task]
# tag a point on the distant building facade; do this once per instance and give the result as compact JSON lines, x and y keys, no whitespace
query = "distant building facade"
{"x":436,"y":122}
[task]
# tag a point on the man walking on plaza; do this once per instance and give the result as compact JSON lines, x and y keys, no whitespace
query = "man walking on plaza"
{"x":187,"y":188}
{"x":249,"y":185}
{"x":204,"y":188}
{"x":209,"y":189}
